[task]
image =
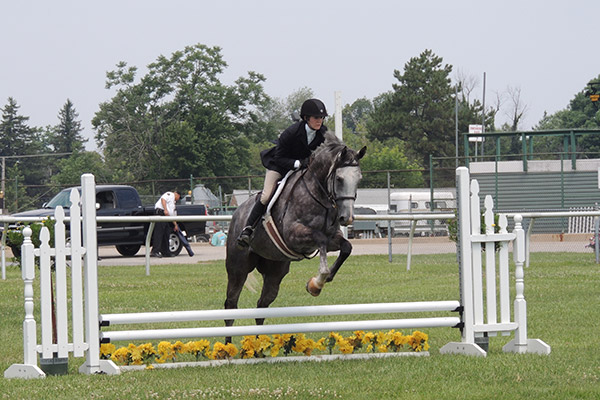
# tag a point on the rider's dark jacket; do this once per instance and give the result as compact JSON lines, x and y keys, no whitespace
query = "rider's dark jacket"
{"x":291,"y":146}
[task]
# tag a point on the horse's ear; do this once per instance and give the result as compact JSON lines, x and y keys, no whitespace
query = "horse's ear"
{"x":362,"y":152}
{"x":341,"y":155}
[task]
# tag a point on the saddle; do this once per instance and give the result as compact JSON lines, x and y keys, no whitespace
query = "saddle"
{"x":273,"y":232}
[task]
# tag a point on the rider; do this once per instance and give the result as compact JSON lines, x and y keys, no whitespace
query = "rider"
{"x":292,"y":151}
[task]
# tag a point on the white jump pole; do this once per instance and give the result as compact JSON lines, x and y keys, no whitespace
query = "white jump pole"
{"x":280,"y":329}
{"x":277,"y":312}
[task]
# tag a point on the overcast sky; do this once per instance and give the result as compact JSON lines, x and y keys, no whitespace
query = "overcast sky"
{"x":59,"y":49}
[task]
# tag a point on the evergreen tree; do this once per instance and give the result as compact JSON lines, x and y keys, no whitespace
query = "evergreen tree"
{"x":66,"y":136}
{"x":420,"y":110}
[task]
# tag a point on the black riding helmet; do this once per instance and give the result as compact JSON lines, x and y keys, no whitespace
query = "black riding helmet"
{"x":313,"y":108}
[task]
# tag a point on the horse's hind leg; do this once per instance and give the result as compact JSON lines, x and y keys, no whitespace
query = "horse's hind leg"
{"x":273,"y":273}
{"x":234,"y":289}
{"x":237,"y":273}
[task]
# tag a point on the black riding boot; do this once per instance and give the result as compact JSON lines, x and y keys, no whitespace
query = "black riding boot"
{"x":257,"y":212}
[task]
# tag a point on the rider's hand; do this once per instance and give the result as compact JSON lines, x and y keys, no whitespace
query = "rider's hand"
{"x":304,"y":163}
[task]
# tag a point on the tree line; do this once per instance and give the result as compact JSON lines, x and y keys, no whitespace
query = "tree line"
{"x":179,"y":119}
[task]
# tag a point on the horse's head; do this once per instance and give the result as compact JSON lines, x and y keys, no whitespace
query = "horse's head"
{"x":345,"y":183}
{"x":340,"y":169}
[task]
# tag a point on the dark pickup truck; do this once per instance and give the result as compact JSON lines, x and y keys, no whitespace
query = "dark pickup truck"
{"x":123,"y":200}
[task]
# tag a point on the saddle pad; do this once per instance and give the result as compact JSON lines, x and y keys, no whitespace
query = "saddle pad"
{"x":278,"y":241}
{"x":272,"y":230}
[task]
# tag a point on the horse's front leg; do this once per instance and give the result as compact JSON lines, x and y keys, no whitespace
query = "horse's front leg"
{"x":345,"y":248}
{"x":316,"y":283}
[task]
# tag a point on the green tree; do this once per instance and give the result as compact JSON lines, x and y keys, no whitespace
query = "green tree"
{"x":24,"y":145}
{"x":420,"y":110}
{"x":179,"y":119}
{"x":65,"y":137}
{"x":70,"y":169}
{"x":16,"y":137}
{"x":278,"y":112}
{"x":381,"y":157}
{"x":356,"y":113}
{"x":581,"y":113}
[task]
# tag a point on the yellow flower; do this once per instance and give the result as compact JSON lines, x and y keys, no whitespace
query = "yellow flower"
{"x":222,"y":351}
{"x":196,"y":348}
{"x":368,"y":337}
{"x":418,"y":341}
{"x":304,"y":345}
{"x":321,"y":344}
{"x":135,"y":354}
{"x":247,"y":347}
{"x":165,"y":352}
{"x":121,"y":356}
{"x":106,"y":350}
{"x":345,"y":346}
{"x":359,"y":334}
{"x":178,"y":347}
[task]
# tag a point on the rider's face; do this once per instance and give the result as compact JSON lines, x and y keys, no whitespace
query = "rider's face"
{"x":315,"y":123}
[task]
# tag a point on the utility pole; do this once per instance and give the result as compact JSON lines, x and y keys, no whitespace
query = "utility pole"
{"x":3,"y":189}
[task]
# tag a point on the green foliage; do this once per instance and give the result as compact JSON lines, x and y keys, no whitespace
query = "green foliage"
{"x":389,"y":156}
{"x":580,"y":113}
{"x":14,"y":237}
{"x":66,"y":136}
{"x":70,"y":169}
{"x":355,"y":114}
{"x":420,"y":110}
{"x":179,"y":119}
{"x":17,"y":138}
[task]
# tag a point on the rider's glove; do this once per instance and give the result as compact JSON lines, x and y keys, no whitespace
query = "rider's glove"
{"x":304,"y":163}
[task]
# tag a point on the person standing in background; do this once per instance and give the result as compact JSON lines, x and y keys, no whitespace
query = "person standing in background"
{"x":166,"y":206}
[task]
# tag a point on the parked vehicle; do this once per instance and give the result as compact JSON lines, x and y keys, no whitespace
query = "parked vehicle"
{"x":123,"y":200}
{"x":419,"y":202}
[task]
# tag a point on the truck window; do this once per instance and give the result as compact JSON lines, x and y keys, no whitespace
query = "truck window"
{"x":106,"y":200}
{"x":128,"y":198}
{"x":61,"y":199}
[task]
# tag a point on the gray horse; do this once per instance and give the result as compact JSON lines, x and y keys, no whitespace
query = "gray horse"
{"x":307,"y":215}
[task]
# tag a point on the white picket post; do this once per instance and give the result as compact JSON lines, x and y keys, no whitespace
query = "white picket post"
{"x":92,"y":364}
{"x":29,"y":368}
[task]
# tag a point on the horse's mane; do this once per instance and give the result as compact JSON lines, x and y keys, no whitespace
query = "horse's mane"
{"x":331,"y":145}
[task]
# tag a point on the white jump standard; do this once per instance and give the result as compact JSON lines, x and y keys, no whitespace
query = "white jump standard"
{"x":476,"y":318}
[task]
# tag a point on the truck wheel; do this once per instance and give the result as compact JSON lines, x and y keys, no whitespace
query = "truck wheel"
{"x":175,"y":245}
{"x":128,"y":250}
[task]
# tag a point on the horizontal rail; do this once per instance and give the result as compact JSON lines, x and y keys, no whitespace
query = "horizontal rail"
{"x":358,"y":217}
{"x":184,"y":218}
{"x":552,"y":214}
{"x":114,"y":336}
{"x":277,"y":312}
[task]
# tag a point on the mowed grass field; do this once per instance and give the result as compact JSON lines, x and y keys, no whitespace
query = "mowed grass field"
{"x":563,"y":299}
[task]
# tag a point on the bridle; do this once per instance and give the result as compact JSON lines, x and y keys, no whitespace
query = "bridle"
{"x":330,"y":191}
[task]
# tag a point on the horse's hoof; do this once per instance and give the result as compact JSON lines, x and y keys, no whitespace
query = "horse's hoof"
{"x":312,"y":287}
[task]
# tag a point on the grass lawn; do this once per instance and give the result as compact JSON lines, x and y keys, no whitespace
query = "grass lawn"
{"x":563,"y":298}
